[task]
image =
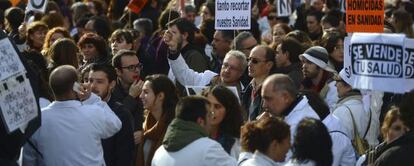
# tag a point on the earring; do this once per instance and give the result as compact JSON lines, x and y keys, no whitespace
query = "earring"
{"x":213,"y":114}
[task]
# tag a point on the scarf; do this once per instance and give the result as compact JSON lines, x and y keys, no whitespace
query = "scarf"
{"x":153,"y":130}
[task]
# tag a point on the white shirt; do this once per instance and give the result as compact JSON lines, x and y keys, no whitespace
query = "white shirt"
{"x":201,"y":152}
{"x":342,"y":150}
{"x":187,"y":76}
{"x":71,"y":133}
{"x":243,"y":157}
{"x":331,"y":97}
{"x":259,"y":159}
{"x":297,"y":163}
{"x":301,"y":111}
{"x":361,"y":117}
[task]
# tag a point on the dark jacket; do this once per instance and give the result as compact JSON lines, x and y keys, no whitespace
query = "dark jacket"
{"x":257,"y":102}
{"x":195,"y":60}
{"x":216,"y":63}
{"x":399,"y":152}
{"x":131,"y":104}
{"x":119,"y":149}
{"x":226,"y":141}
{"x":153,"y":54}
{"x":294,"y":71}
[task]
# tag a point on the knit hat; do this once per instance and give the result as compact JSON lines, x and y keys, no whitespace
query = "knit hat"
{"x":319,"y":56}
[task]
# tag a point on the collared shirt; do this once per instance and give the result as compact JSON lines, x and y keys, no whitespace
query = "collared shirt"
{"x":71,"y":133}
{"x":260,"y":159}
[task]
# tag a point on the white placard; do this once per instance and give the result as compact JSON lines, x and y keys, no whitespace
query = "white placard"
{"x":18,"y":104}
{"x":379,"y":62}
{"x":342,"y":5}
{"x":233,"y":14}
{"x":283,"y":8}
{"x":197,"y":90}
{"x":10,"y":63}
{"x":409,"y":63}
{"x":37,"y":5}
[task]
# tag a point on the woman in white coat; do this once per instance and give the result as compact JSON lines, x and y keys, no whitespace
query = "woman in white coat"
{"x":269,"y":138}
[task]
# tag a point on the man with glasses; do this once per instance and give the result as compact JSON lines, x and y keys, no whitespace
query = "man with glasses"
{"x":244,"y":42}
{"x":128,"y":87}
{"x":260,"y":63}
{"x":232,"y":69}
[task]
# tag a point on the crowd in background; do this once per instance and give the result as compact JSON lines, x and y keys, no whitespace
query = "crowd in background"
{"x":111,"y":84}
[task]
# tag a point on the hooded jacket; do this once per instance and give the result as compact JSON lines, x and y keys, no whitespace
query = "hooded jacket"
{"x":186,"y":143}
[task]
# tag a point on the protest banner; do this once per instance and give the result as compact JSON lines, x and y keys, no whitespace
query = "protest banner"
{"x":379,"y":62}
{"x":232,"y":14}
{"x":283,"y":8}
{"x":409,"y":63}
{"x":364,"y":15}
{"x":18,"y":104}
{"x":37,"y":5}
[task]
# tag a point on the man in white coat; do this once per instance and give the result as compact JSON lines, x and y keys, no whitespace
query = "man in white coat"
{"x":280,"y":97}
{"x":186,"y":141}
{"x":71,"y":130}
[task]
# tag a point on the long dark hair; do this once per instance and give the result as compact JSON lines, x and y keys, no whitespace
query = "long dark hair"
{"x":161,"y":83}
{"x":233,"y":120}
{"x":312,"y":142}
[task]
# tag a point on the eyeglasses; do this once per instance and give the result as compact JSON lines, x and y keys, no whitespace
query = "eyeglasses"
{"x":133,"y":67}
{"x":226,"y":66}
{"x":255,"y":61}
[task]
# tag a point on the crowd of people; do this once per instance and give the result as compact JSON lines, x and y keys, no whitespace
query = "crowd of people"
{"x":112,"y":83}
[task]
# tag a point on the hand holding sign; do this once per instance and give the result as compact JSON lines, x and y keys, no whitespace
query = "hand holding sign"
{"x":170,"y":41}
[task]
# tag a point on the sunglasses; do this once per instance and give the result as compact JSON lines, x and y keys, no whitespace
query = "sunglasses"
{"x":255,"y":61}
{"x":133,"y":67}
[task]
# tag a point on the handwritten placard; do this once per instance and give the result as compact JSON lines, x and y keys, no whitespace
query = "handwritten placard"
{"x":18,"y":104}
{"x":10,"y":63}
